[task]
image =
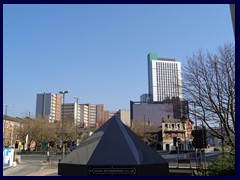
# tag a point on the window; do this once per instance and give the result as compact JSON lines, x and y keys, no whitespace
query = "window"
{"x":6,"y":134}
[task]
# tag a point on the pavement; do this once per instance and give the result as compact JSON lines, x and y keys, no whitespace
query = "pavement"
{"x":44,"y":172}
{"x":38,"y":164}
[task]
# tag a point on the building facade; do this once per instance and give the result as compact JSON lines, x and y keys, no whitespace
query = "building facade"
{"x":71,"y":111}
{"x":96,"y":115}
{"x":145,"y":98}
{"x":124,"y":116}
{"x":154,"y":112}
{"x":112,"y":113}
{"x":105,"y":115}
{"x":11,"y":129}
{"x":48,"y":106}
{"x":181,"y":130}
{"x":84,"y":115}
{"x":164,"y":78}
{"x":100,"y":114}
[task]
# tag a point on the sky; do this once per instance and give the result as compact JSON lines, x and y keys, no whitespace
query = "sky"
{"x":99,"y":52}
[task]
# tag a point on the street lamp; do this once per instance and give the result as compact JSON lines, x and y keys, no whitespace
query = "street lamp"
{"x":6,"y":105}
{"x":144,"y":130}
{"x":77,"y":98}
{"x":196,"y":153}
{"x":63,"y":93}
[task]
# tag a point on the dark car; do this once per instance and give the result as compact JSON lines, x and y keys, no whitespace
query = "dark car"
{"x":72,"y":148}
{"x":216,"y":149}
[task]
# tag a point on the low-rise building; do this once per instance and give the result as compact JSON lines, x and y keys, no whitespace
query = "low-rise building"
{"x":177,"y":133}
{"x":11,"y":130}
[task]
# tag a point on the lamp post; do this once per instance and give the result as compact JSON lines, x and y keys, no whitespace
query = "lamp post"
{"x":144,"y":126}
{"x":77,"y":98}
{"x":195,"y":129}
{"x":6,"y":107}
{"x":63,"y":93}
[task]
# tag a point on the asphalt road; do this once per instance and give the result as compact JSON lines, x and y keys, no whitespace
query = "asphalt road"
{"x":33,"y":165}
{"x":37,"y":165}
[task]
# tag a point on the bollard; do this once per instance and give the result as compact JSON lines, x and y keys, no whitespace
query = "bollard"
{"x":48,"y":157}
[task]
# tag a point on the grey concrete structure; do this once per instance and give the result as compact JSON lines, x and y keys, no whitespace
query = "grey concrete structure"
{"x":232,"y":9}
{"x":113,"y":149}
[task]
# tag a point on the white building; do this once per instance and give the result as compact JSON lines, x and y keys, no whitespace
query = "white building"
{"x":84,"y":115}
{"x":93,"y":115}
{"x":72,"y":111}
{"x":164,"y":78}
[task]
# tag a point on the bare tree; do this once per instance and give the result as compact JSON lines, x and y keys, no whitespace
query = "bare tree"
{"x":145,"y":132}
{"x":209,"y":81}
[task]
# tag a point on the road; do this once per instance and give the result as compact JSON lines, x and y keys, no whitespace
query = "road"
{"x":34,"y":165}
{"x":172,"y":158}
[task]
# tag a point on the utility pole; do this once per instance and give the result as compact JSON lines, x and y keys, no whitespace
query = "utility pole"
{"x":144,"y":130}
{"x":63,"y":93}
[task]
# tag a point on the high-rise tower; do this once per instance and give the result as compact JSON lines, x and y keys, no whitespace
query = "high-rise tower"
{"x":164,"y":78}
{"x":48,"y":106}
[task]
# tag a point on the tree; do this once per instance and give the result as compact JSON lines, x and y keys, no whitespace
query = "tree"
{"x":222,"y":166}
{"x":146,"y":133}
{"x":209,"y":81}
{"x":40,"y":130}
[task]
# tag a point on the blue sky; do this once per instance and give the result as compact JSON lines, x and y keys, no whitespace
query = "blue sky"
{"x":99,"y":52}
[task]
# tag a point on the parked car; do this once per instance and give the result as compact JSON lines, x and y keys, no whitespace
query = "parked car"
{"x":72,"y":148}
{"x":215,"y":149}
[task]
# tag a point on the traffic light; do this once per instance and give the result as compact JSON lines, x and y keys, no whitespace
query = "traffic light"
{"x":175,"y":141}
{"x":52,"y":143}
{"x":179,"y":140}
{"x":200,"y":138}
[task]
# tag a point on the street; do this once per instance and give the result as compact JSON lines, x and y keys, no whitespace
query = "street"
{"x":34,"y":165}
{"x":37,"y":165}
{"x":172,"y":158}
